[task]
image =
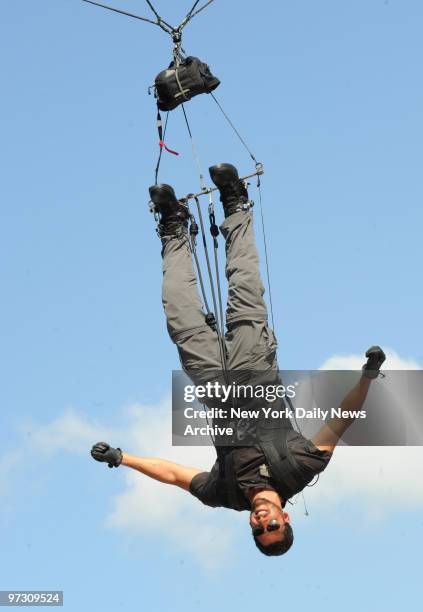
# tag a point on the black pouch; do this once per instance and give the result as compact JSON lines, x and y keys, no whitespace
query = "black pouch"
{"x":179,"y":84}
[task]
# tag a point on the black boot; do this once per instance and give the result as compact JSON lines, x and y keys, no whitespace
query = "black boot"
{"x":174,"y":215}
{"x":233,"y":194}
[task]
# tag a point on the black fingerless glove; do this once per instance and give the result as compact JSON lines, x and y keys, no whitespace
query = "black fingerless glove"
{"x":104,"y":452}
{"x":375,"y":358}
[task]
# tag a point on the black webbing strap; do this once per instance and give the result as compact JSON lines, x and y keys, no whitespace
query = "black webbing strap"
{"x":161,"y":137}
{"x":231,"y":482}
{"x":162,"y":144}
{"x":282,"y":467}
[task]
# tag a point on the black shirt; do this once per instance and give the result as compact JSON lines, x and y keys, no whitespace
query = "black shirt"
{"x":252,"y":472}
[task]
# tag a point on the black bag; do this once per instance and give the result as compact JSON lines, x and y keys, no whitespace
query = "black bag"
{"x":179,"y":84}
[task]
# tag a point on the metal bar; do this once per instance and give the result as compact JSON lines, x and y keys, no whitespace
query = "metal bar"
{"x":192,"y":196}
{"x":115,"y":10}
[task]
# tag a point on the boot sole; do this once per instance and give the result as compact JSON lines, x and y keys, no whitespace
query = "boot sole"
{"x":223,"y":174}
{"x":163,"y":193}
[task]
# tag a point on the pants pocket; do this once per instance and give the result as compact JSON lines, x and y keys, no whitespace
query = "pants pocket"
{"x":263,"y":354}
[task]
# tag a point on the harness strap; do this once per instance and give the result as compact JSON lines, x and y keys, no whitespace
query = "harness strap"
{"x":283,"y":471}
{"x":182,"y":92}
{"x":231,"y":481}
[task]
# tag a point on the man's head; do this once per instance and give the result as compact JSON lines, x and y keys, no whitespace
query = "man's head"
{"x":270,"y":527}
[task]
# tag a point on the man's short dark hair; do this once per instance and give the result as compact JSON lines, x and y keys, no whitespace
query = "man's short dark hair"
{"x":280,"y":547}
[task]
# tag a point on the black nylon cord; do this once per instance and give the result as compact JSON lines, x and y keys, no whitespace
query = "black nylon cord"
{"x":162,"y":134}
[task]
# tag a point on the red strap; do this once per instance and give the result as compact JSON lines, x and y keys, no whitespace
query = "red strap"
{"x":162,"y":145}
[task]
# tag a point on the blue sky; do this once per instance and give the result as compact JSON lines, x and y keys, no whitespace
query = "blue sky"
{"x":329,"y":96}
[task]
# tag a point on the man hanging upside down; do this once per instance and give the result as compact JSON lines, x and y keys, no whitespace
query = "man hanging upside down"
{"x":263,"y":476}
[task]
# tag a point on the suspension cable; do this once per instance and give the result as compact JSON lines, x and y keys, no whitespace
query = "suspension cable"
{"x":266,"y":257}
{"x":233,"y":127}
{"x":115,"y":10}
{"x":219,"y":329}
{"x":194,"y":151}
{"x":191,"y":14}
{"x":193,"y":232}
{"x":214,"y":231}
{"x":159,"y":19}
{"x":160,"y":22}
{"x":259,"y":169}
{"x":192,"y":9}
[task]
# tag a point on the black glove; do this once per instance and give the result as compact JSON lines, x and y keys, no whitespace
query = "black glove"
{"x":104,"y":452}
{"x":375,"y":358}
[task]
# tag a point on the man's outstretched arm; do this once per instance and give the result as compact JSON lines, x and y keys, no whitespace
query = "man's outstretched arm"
{"x":162,"y":470}
{"x":329,"y":435}
{"x":158,"y":469}
{"x":331,"y":432}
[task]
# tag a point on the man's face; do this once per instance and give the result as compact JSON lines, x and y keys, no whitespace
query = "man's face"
{"x":262,"y":513}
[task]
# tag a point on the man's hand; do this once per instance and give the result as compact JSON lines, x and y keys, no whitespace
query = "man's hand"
{"x":104,"y":452}
{"x":375,"y":358}
{"x":158,"y":469}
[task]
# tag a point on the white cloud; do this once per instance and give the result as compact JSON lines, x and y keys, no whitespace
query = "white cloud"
{"x":375,"y":477}
{"x":71,"y":432}
{"x":354,"y":362}
{"x":147,"y":506}
{"x":144,"y":506}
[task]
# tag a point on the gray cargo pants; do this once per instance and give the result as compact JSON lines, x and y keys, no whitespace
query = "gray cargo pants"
{"x":250,"y":343}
